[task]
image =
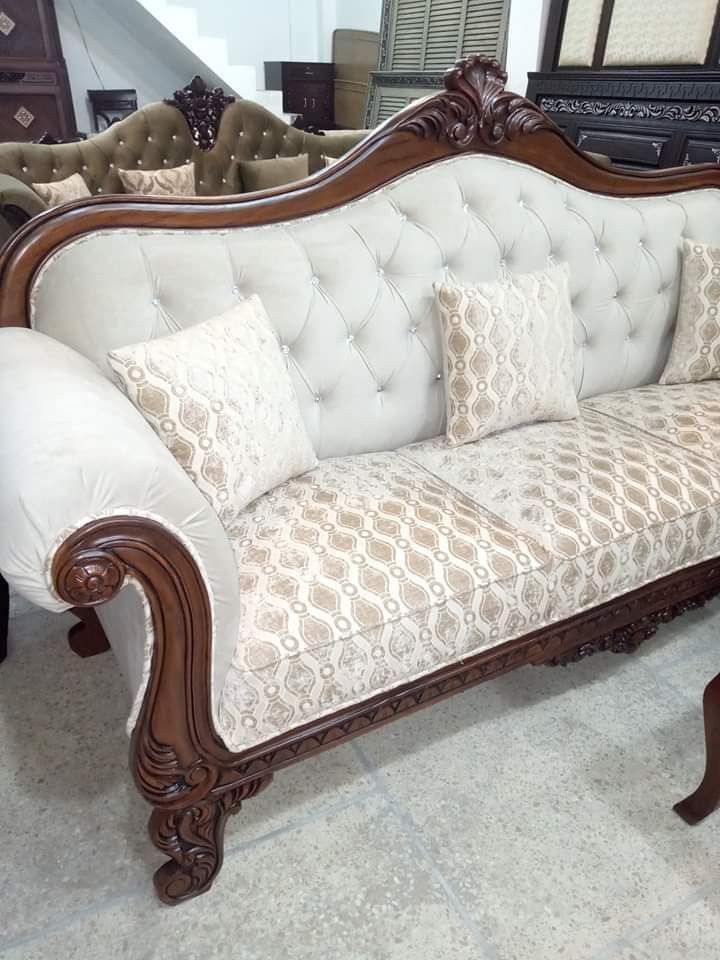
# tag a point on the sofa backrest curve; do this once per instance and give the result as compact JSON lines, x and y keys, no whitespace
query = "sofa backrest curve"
{"x":461,"y":185}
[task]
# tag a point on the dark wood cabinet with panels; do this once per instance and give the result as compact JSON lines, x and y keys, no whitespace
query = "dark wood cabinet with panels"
{"x":34,"y":91}
{"x":419,"y":38}
{"x":307,"y":88}
{"x":609,"y":80}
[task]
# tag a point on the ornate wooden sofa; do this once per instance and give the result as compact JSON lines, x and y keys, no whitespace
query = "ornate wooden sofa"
{"x":399,"y":571}
{"x":198,"y":125}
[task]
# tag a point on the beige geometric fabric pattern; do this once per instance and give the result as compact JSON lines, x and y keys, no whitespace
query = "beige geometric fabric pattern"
{"x":375,"y":569}
{"x":659,"y":31}
{"x":175,"y":181}
{"x":220,"y":397}
{"x":509,"y":355}
{"x":695,"y":352}
{"x":358,"y":576}
{"x":685,"y":414}
{"x":62,"y":191}
{"x":582,"y":18}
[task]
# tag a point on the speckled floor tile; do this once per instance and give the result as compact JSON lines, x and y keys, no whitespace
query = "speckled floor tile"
{"x":691,"y":934}
{"x":350,"y":887}
{"x":69,"y":805}
{"x":525,"y":820}
{"x":545,"y":797}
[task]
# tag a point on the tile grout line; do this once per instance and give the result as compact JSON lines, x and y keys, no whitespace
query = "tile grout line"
{"x":631,"y":936}
{"x":422,"y":852}
{"x":135,"y":891}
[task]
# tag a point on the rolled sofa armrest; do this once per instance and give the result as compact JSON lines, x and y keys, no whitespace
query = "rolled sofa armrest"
{"x":18,"y":201}
{"x":73,"y":451}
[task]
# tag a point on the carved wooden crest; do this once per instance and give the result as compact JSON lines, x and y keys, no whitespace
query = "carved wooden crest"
{"x":202,"y":107}
{"x":475,"y":106}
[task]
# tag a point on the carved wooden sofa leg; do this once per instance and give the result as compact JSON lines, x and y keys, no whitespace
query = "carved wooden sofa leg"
{"x":193,"y":838}
{"x":706,"y":798}
{"x":87,"y":638}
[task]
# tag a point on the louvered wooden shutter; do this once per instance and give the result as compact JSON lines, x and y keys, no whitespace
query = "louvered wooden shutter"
{"x":485,"y":28}
{"x":409,"y":34}
{"x":430,"y":35}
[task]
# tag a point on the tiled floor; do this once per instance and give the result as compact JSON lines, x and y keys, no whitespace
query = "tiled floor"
{"x":528,"y":819}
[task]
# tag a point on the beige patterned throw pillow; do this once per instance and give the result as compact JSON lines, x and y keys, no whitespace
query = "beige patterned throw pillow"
{"x":509,"y":353}
{"x":172,"y":182}
{"x":695,"y":352}
{"x":62,"y":191}
{"x":220,"y":397}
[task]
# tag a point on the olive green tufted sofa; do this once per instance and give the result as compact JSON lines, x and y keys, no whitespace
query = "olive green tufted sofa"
{"x":154,"y":137}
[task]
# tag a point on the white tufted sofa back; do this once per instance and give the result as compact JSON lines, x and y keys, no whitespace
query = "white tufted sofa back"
{"x":350,"y":290}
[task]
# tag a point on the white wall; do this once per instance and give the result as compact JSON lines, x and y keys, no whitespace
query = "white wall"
{"x":121,"y":59}
{"x":526,"y":32}
{"x":358,"y":14}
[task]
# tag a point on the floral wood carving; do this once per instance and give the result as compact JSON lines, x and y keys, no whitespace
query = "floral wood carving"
{"x":91,"y":580}
{"x":202,"y":107}
{"x":476,"y":106}
{"x":628,"y":638}
{"x":193,"y":839}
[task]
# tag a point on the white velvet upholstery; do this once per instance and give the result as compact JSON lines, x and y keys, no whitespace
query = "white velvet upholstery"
{"x":350,"y":291}
{"x":73,"y":448}
{"x":350,"y":294}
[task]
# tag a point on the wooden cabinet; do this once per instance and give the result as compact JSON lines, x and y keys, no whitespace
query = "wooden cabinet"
{"x":640,"y":109}
{"x":307,"y":90}
{"x":34,"y":91}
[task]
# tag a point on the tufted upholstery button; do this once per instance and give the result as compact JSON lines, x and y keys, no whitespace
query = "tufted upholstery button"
{"x":121,"y":143}
{"x":256,"y":156}
{"x":174,"y":136}
{"x":285,"y":349}
{"x":84,"y":166}
{"x":350,"y":338}
{"x":139,"y":163}
{"x":24,"y":169}
{"x":264,"y":133}
{"x":236,"y":290}
{"x":99,"y":189}
{"x":232,"y":156}
{"x":502,"y":264}
{"x":380,"y":272}
{"x":627,"y":338}
{"x":242,"y":133}
{"x":164,"y":159}
{"x":149,"y":139}
{"x":521,"y":202}
{"x":317,"y":398}
{"x":438,"y":376}
{"x":156,"y":301}
{"x":597,"y":249}
{"x":224,"y":180}
{"x":112,"y":166}
{"x":54,"y":169}
{"x":314,"y":280}
{"x":413,"y":329}
{"x":380,"y":388}
{"x":403,"y":218}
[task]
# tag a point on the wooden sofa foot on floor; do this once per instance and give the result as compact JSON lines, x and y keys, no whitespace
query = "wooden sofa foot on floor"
{"x":87,"y":638}
{"x":193,"y":838}
{"x":706,"y":798}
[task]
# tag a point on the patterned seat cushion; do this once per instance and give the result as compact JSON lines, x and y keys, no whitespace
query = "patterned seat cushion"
{"x":687,"y":414}
{"x":373,"y":570}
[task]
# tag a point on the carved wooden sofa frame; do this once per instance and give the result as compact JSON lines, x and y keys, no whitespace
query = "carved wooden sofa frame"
{"x":179,"y":763}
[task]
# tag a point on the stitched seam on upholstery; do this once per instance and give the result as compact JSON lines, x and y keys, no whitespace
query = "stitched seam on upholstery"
{"x":480,"y":508}
{"x":399,"y":681}
{"x":659,"y":438}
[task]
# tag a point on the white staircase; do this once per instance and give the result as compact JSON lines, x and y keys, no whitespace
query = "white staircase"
{"x":182,"y":21}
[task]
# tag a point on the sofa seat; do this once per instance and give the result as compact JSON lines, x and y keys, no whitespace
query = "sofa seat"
{"x":373,"y":570}
{"x":686,"y":414}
